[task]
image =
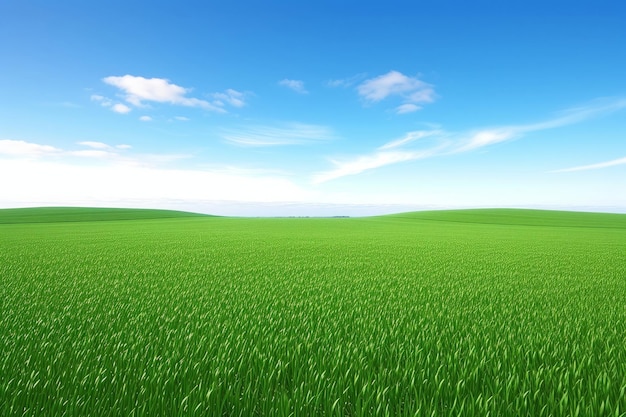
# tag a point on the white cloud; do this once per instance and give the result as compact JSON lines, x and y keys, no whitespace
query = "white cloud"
{"x":95,"y":145}
{"x":230,"y":96}
{"x":123,"y":146}
{"x":411,"y":90}
{"x":392,"y":83}
{"x":121,"y":108}
{"x":295,"y":85}
{"x":182,"y":118}
{"x":160,"y":90}
{"x":407,"y":108}
{"x":446,"y":143}
{"x":145,"y":118}
{"x":600,"y":165}
{"x":139,"y":90}
{"x":289,"y":134}
{"x":22,"y":148}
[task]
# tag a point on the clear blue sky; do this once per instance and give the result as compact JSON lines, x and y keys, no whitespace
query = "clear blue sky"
{"x":313,"y":107}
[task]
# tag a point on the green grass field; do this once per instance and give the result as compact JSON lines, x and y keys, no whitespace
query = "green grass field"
{"x":451,"y":313}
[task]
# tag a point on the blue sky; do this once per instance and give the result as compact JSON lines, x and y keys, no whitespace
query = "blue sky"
{"x":313,"y":107}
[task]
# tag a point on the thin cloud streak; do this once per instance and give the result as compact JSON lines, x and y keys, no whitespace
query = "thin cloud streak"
{"x":94,"y":145}
{"x":600,"y":165}
{"x":367,"y":162}
{"x":448,"y":143}
{"x":501,"y":134}
{"x":346,"y":82}
{"x":290,"y":134}
{"x":23,"y":149}
{"x":412,"y":136}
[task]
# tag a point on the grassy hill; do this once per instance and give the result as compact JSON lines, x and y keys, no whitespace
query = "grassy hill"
{"x":520,"y":217}
{"x":83,"y":214}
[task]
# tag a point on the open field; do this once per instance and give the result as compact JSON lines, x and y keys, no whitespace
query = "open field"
{"x":480,"y":312}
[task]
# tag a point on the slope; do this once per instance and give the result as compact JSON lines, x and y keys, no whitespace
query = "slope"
{"x":83,"y":214}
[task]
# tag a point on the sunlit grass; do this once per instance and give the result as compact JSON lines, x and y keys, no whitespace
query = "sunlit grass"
{"x":395,"y":315}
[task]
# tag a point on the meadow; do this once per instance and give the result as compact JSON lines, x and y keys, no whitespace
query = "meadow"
{"x":450,"y":313}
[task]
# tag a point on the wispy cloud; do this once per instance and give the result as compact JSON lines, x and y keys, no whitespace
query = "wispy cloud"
{"x":490,"y":136}
{"x":364,"y":163}
{"x":103,"y":146}
{"x":393,"y":152}
{"x":600,"y":165}
{"x":26,"y":149}
{"x":407,"y":108}
{"x":485,"y":137}
{"x":104,"y":101}
{"x":442,"y":142}
{"x":346,"y":82}
{"x":233,"y":97}
{"x":295,"y":85}
{"x":411,"y":137}
{"x":95,"y":145}
{"x":110,"y":104}
{"x":145,"y":118}
{"x":412,"y":91}
{"x":19,"y":148}
{"x":288,"y":134}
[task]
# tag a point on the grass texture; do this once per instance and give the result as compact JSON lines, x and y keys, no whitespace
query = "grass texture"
{"x":79,"y":214}
{"x":458,"y":313}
